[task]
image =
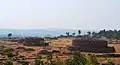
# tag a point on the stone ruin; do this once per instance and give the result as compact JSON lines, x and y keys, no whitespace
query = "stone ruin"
{"x":34,"y":41}
{"x":91,"y":45}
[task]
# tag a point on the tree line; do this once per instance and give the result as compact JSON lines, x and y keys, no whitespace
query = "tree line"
{"x":110,"y":34}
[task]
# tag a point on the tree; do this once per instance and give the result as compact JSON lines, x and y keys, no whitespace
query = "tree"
{"x":67,"y":33}
{"x":73,"y":34}
{"x":8,"y":62}
{"x":89,"y":33}
{"x":79,"y":32}
{"x":94,"y":34}
{"x":9,"y":35}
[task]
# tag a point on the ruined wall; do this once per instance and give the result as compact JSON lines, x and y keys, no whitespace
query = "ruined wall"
{"x":34,"y":42}
{"x":98,"y":46}
{"x":90,"y":43}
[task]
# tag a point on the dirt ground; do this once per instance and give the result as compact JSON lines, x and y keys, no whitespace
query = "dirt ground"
{"x":116,"y":46}
{"x":59,"y":44}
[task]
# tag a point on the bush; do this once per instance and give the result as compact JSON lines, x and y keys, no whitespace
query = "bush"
{"x":92,"y":60}
{"x":110,"y":62}
{"x":8,"y":62}
{"x":8,"y":52}
{"x":77,"y":59}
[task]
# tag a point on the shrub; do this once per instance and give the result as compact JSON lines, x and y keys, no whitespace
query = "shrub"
{"x":8,"y":62}
{"x":8,"y":52}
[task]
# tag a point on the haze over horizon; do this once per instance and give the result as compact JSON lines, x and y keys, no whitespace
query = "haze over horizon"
{"x":61,"y":14}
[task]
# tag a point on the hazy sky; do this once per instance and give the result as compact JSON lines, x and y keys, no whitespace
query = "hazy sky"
{"x":69,"y":14}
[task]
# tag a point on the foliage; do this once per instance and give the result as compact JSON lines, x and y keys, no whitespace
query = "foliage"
{"x":8,"y":62}
{"x":10,"y":35}
{"x":49,"y":56}
{"x":67,"y":33}
{"x":73,"y":34}
{"x":111,"y":34}
{"x":110,"y":62}
{"x":57,"y":62}
{"x":77,"y":59}
{"x":88,"y":33}
{"x":38,"y":61}
{"x":24,"y":62}
{"x":44,"y":52}
{"x":92,"y":60}
{"x":79,"y":32}
{"x":8,"y":52}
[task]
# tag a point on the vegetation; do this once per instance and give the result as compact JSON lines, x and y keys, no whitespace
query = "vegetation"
{"x":8,"y":52}
{"x":79,"y":32}
{"x":9,"y":35}
{"x":88,"y":33}
{"x":111,"y":34}
{"x":8,"y":62}
{"x":110,"y":62}
{"x":24,"y":62}
{"x":76,"y":59}
{"x":68,"y":33}
{"x":92,"y":60}
{"x":73,"y":34}
{"x":38,"y":61}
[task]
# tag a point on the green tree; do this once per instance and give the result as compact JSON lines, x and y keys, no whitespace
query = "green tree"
{"x":79,"y":32}
{"x":88,"y":33}
{"x":94,"y":34}
{"x":73,"y":34}
{"x":68,"y":33}
{"x":9,"y":35}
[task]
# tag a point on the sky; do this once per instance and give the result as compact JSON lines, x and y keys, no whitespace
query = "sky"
{"x":63,"y":14}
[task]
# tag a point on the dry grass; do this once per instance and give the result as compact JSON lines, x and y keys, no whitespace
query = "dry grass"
{"x":55,"y":45}
{"x":116,"y":46}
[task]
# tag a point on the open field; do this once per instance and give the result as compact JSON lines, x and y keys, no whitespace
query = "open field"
{"x":116,"y":46}
{"x":59,"y":44}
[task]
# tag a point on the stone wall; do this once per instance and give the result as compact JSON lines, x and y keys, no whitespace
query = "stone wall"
{"x":33,"y":41}
{"x":98,"y":46}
